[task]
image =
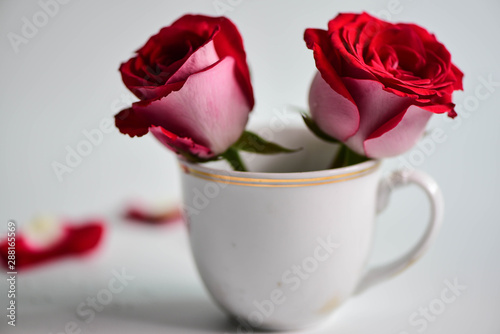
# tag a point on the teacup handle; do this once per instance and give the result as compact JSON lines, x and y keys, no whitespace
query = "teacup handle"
{"x":395,"y":180}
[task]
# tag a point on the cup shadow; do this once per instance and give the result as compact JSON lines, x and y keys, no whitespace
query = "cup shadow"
{"x":187,"y":315}
{"x":199,"y":315}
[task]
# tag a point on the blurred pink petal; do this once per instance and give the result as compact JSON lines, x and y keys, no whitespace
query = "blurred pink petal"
{"x":74,"y":240}
{"x":141,"y":213}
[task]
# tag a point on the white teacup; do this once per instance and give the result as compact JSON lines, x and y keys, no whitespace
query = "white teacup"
{"x":283,"y":246}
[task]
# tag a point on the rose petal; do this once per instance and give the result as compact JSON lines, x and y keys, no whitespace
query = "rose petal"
{"x":341,"y":20}
{"x":227,"y":42}
{"x":438,"y":108}
{"x":376,"y":107}
{"x":332,"y":112}
{"x":171,"y":44}
{"x":145,"y":75}
{"x":398,"y":135}
{"x":458,"y":85}
{"x":344,"y":31}
{"x":398,"y":35}
{"x":367,"y":33}
{"x":131,"y":123}
{"x":202,"y":58}
{"x":183,"y":146}
{"x":210,"y":109}
{"x":77,"y":240}
{"x":326,"y":60}
{"x":147,"y":215}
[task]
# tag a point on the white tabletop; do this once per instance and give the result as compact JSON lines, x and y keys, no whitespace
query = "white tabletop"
{"x":164,"y":293}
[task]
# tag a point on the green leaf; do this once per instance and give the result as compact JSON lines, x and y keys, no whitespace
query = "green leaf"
{"x":233,"y":157}
{"x":316,"y":130}
{"x":250,"y":142}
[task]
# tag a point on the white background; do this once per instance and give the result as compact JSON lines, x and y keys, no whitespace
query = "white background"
{"x":66,"y":80}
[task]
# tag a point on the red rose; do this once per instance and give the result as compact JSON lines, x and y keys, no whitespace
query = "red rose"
{"x":378,"y":83}
{"x":194,"y":85}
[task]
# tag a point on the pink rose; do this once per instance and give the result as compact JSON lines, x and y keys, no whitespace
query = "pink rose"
{"x":378,"y":83}
{"x":194,"y":85}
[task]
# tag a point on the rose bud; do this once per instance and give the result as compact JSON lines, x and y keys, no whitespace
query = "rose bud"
{"x":194,"y":87}
{"x":378,"y":83}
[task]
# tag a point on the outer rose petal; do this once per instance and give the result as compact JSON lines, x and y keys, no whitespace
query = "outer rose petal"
{"x":182,"y":146}
{"x":211,"y":108}
{"x":459,"y":75}
{"x":332,"y":112}
{"x":146,"y":91}
{"x":327,"y":60}
{"x":401,"y":135}
{"x":136,"y":72}
{"x":131,"y":123}
{"x":376,"y":107}
{"x":227,"y":42}
{"x":439,"y":108}
{"x":341,"y":20}
{"x":202,"y":58}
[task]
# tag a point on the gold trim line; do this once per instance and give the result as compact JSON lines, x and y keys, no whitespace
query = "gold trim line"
{"x":254,"y":182}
